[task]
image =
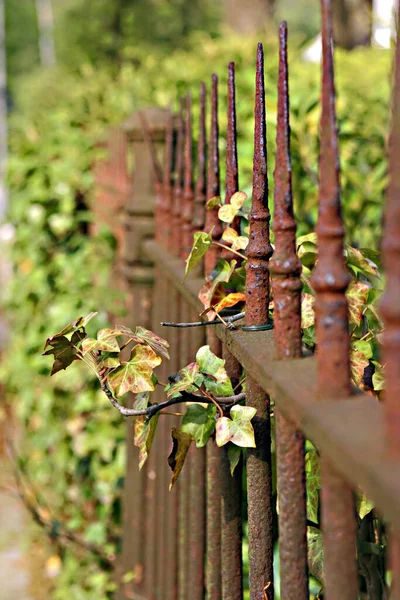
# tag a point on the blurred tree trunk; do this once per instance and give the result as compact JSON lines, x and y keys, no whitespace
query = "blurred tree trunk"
{"x":248,"y":16}
{"x":46,"y":32}
{"x":352,"y":22}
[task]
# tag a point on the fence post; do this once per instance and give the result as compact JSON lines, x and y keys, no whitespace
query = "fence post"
{"x":137,"y":272}
{"x":330,"y":280}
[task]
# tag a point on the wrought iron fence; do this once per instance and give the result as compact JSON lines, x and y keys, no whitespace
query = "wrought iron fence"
{"x":187,"y":543}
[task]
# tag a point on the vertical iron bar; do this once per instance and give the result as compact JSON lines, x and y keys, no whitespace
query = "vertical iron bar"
{"x":259,"y":250}
{"x":195,"y":578}
{"x":178,"y":185}
{"x":188,"y":196}
{"x":165,"y":228}
{"x":200,"y":189}
{"x":231,"y":486}
{"x":212,"y":221}
{"x":213,"y":482}
{"x":330,"y":280}
{"x":285,"y":268}
{"x":390,"y":308}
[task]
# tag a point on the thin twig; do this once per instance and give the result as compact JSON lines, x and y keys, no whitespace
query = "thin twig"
{"x":230,"y":249}
{"x":207,"y":395}
{"x":228,"y":320}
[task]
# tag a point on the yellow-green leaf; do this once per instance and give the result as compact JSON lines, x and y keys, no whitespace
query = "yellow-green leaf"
{"x":238,"y":429}
{"x":181,"y":444}
{"x":136,"y":375}
{"x":201,"y":243}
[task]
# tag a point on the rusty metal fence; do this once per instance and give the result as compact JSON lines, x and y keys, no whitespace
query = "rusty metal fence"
{"x":187,"y":543}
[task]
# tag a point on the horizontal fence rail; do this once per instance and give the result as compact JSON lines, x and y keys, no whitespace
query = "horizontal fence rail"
{"x":189,"y":543}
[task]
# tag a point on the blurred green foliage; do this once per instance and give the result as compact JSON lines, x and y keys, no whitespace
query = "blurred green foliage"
{"x":73,"y":442}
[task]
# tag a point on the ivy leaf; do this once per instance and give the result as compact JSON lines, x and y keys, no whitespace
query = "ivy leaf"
{"x":309,"y":237}
{"x":241,"y":243}
{"x":237,"y":430}
{"x":144,"y":431}
{"x":234,"y":454}
{"x":213,"y":202}
{"x":363,"y":505}
{"x":357,"y":258}
{"x":229,"y":235}
{"x":136,"y":375}
{"x":307,"y":310}
{"x":238,"y":199}
{"x":313,"y":484}
{"x":109,"y":360}
{"x":79,"y":323}
{"x":209,"y":363}
{"x":221,"y":273}
{"x":184,"y":379}
{"x":64,"y":352}
{"x":227,"y":213}
{"x":358,"y":363}
{"x":315,"y":553}
{"x":378,"y":378}
{"x":219,"y":383}
{"x":199,"y":422}
{"x":357,"y":296}
{"x":157,"y":343}
{"x":106,"y":341}
{"x":181,"y":443}
{"x":230,"y":300}
{"x":201,"y":243}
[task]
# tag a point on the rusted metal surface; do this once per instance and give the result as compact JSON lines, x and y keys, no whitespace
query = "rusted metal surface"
{"x":285,"y":268}
{"x":330,"y":280}
{"x":231,"y":509}
{"x":212,"y":221}
{"x":213,"y":523}
{"x":390,"y":307}
{"x":259,"y":250}
{"x":201,"y":184}
{"x":176,"y":233}
{"x":164,"y":227}
{"x":188,"y":196}
{"x":232,"y":169}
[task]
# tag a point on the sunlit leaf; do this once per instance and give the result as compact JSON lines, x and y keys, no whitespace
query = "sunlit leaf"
{"x":213,"y":202}
{"x":240,"y":243}
{"x":106,"y":341}
{"x":181,"y":444}
{"x":234,"y":454}
{"x":315,"y":553}
{"x":313,"y":484}
{"x":229,"y":235}
{"x":144,"y":431}
{"x":363,"y":505}
{"x":157,"y":343}
{"x":136,"y":375}
{"x":378,"y":378}
{"x":230,"y":300}
{"x":201,"y":243}
{"x":307,"y":310}
{"x":227,"y":213}
{"x":238,"y":429}
{"x":184,"y":379}
{"x":310,"y":237}
{"x":237,"y":200}
{"x":199,"y":421}
{"x":358,"y":363}
{"x":357,"y":296}
{"x":110,"y":360}
{"x":356,"y":258}
{"x":220,"y":274}
{"x":219,"y":383}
